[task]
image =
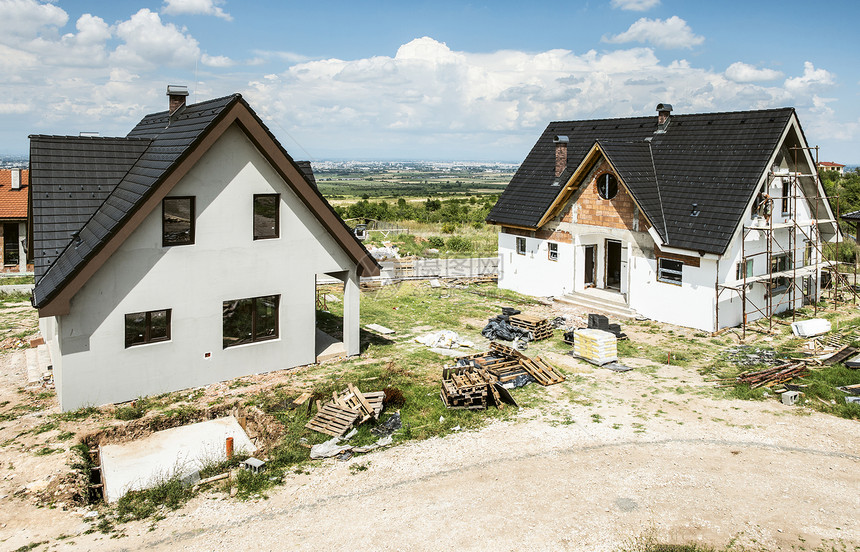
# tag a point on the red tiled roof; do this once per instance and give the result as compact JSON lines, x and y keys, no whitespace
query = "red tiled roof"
{"x":829,"y":164}
{"x":13,"y":203}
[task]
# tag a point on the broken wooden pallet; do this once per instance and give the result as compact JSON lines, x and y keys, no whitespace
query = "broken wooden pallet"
{"x":841,"y":355}
{"x":333,"y":419}
{"x":542,"y":372}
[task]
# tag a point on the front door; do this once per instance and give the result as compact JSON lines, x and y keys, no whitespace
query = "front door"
{"x":10,"y":244}
{"x":613,"y":264}
{"x":589,"y":265}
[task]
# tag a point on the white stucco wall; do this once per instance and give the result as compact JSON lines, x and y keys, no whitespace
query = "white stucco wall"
{"x":224,"y":263}
{"x":533,"y":273}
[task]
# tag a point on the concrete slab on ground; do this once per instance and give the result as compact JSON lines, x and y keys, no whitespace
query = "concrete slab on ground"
{"x":327,"y":347}
{"x":175,"y":452}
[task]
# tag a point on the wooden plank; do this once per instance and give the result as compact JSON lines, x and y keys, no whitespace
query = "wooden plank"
{"x":298,"y":401}
{"x":368,"y":410}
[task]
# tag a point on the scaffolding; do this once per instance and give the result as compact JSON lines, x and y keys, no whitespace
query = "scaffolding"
{"x":787,"y":281}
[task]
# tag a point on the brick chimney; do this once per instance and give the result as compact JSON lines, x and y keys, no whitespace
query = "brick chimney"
{"x":663,"y":112}
{"x":177,"y":95}
{"x":560,"y":154}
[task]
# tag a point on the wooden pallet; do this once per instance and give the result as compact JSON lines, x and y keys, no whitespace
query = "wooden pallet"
{"x":540,"y":328}
{"x":541,"y":371}
{"x":333,"y":419}
{"x":841,"y":355}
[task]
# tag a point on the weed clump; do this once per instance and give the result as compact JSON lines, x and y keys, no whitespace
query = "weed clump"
{"x":393,"y":397}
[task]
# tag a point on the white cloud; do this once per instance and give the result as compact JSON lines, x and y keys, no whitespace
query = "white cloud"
{"x":289,"y":57}
{"x":812,"y":79}
{"x":742,"y":72}
{"x":14,"y":108}
{"x":25,"y":19}
{"x":217,"y":61}
{"x":150,"y":43}
{"x":195,"y":7}
{"x":670,"y":33}
{"x":635,"y":5}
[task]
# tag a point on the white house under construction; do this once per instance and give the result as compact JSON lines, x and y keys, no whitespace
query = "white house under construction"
{"x":704,"y":220}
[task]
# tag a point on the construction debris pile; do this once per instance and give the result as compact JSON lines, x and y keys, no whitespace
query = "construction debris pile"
{"x":772,"y":376}
{"x":351,"y":407}
{"x":513,"y":325}
{"x":483,"y":379}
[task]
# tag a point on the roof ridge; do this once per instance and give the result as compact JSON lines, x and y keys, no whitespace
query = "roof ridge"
{"x":678,"y":116}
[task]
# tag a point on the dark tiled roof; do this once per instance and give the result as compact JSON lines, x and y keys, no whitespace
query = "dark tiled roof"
{"x":71,"y":177}
{"x":853,"y":215}
{"x":110,"y":177}
{"x":308,"y":171}
{"x":713,"y":160}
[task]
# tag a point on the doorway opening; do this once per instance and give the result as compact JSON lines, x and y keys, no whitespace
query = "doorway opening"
{"x":590,"y":265}
{"x":613,"y":264}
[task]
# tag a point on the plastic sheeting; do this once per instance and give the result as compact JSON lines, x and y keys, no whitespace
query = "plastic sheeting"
{"x":444,"y":339}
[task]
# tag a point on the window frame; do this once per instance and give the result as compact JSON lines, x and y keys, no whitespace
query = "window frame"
{"x":739,"y":274}
{"x":521,"y":241}
{"x":786,"y":193}
{"x":552,"y":251}
{"x":661,"y":270}
{"x":777,"y":260}
{"x":192,"y":234}
{"x":254,"y":320}
{"x":147,"y":332}
{"x":277,"y":217}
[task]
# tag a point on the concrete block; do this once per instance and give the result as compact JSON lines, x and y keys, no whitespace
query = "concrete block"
{"x":790,"y":397}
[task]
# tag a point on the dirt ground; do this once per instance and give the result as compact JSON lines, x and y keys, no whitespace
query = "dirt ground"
{"x":604,"y":459}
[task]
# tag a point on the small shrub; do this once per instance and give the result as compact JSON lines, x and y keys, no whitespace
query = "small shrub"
{"x":144,"y":503}
{"x":436,"y":241}
{"x":250,"y":483}
{"x":458,"y":243}
{"x":449,"y":228}
{"x":393,"y":397}
{"x":133,"y":411}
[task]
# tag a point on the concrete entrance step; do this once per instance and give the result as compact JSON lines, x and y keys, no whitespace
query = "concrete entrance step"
{"x":599,"y":305}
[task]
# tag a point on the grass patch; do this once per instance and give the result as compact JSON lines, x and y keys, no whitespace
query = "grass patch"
{"x":143,"y":504}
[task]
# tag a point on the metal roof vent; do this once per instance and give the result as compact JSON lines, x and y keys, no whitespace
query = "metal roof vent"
{"x":177,"y":95}
{"x":695,"y":211}
{"x":88,"y":134}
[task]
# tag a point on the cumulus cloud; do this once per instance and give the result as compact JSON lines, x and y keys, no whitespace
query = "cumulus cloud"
{"x":635,"y":5}
{"x":195,"y":7}
{"x":669,"y":33}
{"x":25,"y":19}
{"x":812,"y":79}
{"x":742,"y":72}
{"x":150,"y":43}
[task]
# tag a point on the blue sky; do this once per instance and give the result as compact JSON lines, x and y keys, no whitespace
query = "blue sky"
{"x":435,"y":80}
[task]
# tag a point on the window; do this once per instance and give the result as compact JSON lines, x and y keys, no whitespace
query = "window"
{"x":553,"y":251}
{"x":250,"y":320}
{"x":741,"y":272}
{"x":521,"y":246}
{"x":807,"y":254}
{"x":177,"y":221}
{"x":669,"y":271}
{"x":266,"y":216}
{"x":786,"y":192}
{"x":607,"y":186}
{"x":10,"y":243}
{"x":780,"y":263}
{"x":147,"y":327}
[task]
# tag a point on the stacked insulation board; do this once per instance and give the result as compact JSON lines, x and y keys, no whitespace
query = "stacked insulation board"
{"x":595,"y":346}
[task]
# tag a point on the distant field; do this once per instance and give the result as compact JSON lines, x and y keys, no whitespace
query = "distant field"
{"x":339,"y":184}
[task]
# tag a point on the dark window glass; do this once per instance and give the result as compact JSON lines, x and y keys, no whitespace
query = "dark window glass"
{"x":521,"y":246}
{"x":177,"y":222}
{"x":607,"y":186}
{"x":266,"y":216}
{"x":147,"y":327}
{"x":553,"y":251}
{"x":669,"y":271}
{"x":249,"y":320}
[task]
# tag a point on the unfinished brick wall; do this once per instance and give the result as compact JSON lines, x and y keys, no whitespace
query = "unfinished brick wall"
{"x":618,"y":212}
{"x":559,"y":236}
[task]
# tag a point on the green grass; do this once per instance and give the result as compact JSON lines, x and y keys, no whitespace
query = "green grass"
{"x":146,"y":503}
{"x":15,"y":280}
